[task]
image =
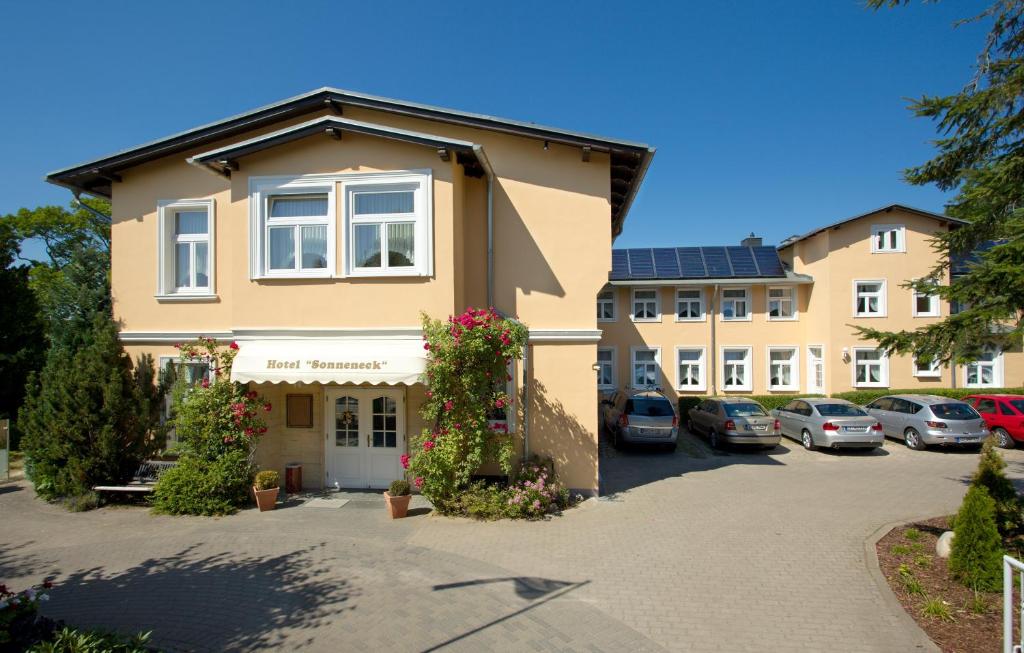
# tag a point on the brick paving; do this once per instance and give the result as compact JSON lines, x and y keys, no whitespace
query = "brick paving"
{"x":693,"y":551}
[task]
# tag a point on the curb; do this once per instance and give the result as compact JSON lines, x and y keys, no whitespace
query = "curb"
{"x":875,"y":571}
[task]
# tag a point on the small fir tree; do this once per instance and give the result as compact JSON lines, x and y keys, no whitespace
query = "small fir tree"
{"x":977,"y":556}
{"x":990,"y":475}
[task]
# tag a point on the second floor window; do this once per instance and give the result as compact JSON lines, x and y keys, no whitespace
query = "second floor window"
{"x":645,"y":305}
{"x":606,"y":306}
{"x":781,"y":304}
{"x":735,"y":304}
{"x":297,"y":227}
{"x":925,"y":305}
{"x":887,"y":238}
{"x":869,"y":298}
{"x":186,"y":249}
{"x":689,"y":305}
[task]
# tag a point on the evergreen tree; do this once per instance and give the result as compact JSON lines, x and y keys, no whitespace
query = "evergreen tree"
{"x":990,"y":475}
{"x":977,"y":556}
{"x":980,"y":155}
{"x":87,"y":418}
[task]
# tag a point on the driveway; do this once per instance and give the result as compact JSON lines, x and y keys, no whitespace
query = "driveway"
{"x":693,"y":551}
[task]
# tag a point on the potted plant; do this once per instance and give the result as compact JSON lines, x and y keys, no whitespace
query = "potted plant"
{"x":397,"y":499}
{"x":265,"y":487}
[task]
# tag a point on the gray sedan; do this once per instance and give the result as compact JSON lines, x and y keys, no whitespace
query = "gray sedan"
{"x":734,"y":420}
{"x":921,"y":420}
{"x":832,"y":423}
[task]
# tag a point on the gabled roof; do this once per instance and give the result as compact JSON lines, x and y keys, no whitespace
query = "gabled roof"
{"x":885,"y":209}
{"x":629,"y":160}
{"x":696,"y":263}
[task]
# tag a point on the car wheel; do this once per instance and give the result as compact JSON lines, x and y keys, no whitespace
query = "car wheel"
{"x":713,"y":439}
{"x":913,"y":439}
{"x":808,"y":441}
{"x":1003,"y":438}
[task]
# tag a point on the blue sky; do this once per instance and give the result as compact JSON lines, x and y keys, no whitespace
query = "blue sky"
{"x":769,"y":116}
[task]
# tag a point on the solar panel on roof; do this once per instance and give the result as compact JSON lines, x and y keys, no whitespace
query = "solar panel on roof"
{"x":691,"y":263}
{"x":768,"y":261}
{"x":666,"y":266}
{"x":620,"y":264}
{"x":742,"y":261}
{"x":641,"y":264}
{"x":716,"y":261}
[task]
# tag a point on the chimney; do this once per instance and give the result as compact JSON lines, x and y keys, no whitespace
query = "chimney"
{"x":751,"y":241}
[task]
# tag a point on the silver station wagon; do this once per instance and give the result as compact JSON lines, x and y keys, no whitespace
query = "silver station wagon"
{"x":641,"y":417}
{"x":733,"y":420}
{"x":921,"y":420}
{"x":831,"y":423}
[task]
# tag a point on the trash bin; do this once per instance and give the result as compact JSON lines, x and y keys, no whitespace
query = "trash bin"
{"x":293,"y":478}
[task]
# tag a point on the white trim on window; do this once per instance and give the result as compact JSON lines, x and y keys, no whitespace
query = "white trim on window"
{"x":882,"y":363}
{"x":609,"y":364}
{"x":813,"y":387}
{"x":789,"y":298}
{"x":933,"y":305}
{"x":421,"y":218}
{"x":934,"y":370}
{"x":606,"y":305}
{"x":692,"y":303}
{"x":648,"y":302}
{"x":650,"y":368}
{"x":698,"y":365}
{"x":735,"y":303}
{"x":262,"y":191}
{"x":980,"y":369}
{"x":742,"y":379}
{"x":793,"y":363}
{"x":888,"y":239}
{"x":167,"y":241}
{"x":879,"y":295}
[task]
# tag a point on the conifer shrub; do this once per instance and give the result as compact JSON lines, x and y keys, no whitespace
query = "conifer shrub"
{"x":991,"y":475}
{"x":977,"y":556}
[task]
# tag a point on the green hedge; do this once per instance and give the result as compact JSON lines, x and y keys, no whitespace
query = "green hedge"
{"x":859,"y":397}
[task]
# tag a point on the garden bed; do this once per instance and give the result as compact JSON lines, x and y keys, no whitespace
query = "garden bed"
{"x":954,"y":617}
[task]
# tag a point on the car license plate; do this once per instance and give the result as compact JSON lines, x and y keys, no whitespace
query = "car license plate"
{"x":855,"y":429}
{"x":648,"y":431}
{"x":966,"y":439}
{"x":757,"y":427}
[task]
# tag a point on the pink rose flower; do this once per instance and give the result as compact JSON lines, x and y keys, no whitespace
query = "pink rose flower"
{"x":428,"y":445}
{"x":267,"y":407}
{"x":405,"y":461}
{"x":448,"y":405}
{"x":233,"y":345}
{"x":418,"y":482}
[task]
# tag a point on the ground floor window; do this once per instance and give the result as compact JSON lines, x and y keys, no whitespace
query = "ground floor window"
{"x":646,"y":363}
{"x":736,"y":368}
{"x":870,"y":368}
{"x":692,"y":373}
{"x":606,"y":368}
{"x":191,"y":373}
{"x":929,"y":369}
{"x":986,"y":372}
{"x":783,"y":368}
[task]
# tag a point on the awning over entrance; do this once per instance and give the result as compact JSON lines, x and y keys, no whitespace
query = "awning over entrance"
{"x":387,"y":361}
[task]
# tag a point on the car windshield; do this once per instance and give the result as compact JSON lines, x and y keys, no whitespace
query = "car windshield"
{"x":744,"y":410}
{"x":652,"y":407}
{"x":954,"y":411}
{"x":1018,"y":404}
{"x":840,"y":410}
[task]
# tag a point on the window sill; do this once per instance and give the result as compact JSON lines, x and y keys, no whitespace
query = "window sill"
{"x":784,"y":389}
{"x":783,"y":319}
{"x":745,"y":388}
{"x":737,"y":319}
{"x":691,"y":319}
{"x":888,"y":251}
{"x":870,"y":316}
{"x":185,"y":297}
{"x":647,"y":320}
{"x":692,"y":388}
{"x":870,"y":385}
{"x":606,"y":320}
{"x":927,"y":315}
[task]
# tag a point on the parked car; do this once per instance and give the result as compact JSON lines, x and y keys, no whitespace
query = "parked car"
{"x":921,"y":420}
{"x":734,"y":420}
{"x":1004,"y":416}
{"x":832,"y":423}
{"x":640,"y":417}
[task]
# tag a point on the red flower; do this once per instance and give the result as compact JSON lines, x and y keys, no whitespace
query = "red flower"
{"x":499,"y":403}
{"x":429,"y":394}
{"x":205,"y":383}
{"x":233,"y":345}
{"x":267,"y":407}
{"x":250,"y":432}
{"x":251,"y":394}
{"x":405,"y":461}
{"x":418,"y":481}
{"x":428,"y":445}
{"x":263,"y":429}
{"x":426,"y":346}
{"x":448,"y":405}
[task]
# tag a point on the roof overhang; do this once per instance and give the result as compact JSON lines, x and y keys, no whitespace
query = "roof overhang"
{"x":884,"y":209}
{"x":225,"y":159}
{"x":791,"y":278}
{"x":629,"y":160}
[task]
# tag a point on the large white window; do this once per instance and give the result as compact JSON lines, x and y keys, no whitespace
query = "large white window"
{"x":816,"y":369}
{"x":932,"y":369}
{"x":736,"y":369}
{"x":986,"y":372}
{"x":606,"y":368}
{"x":388,"y":227}
{"x":296,"y":234}
{"x":869,"y":298}
{"x":870,"y":368}
{"x":646,"y":305}
{"x":606,"y":306}
{"x":783,"y":368}
{"x":888,"y":238}
{"x":691,"y":368}
{"x":185,"y":249}
{"x":646,"y":366}
{"x":736,"y":304}
{"x":782,"y":303}
{"x":689,"y":305}
{"x":925,"y":305}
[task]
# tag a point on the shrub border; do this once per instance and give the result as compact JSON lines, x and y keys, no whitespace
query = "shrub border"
{"x":859,"y":397}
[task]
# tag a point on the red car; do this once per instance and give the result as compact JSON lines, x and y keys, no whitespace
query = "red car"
{"x":1004,"y":416}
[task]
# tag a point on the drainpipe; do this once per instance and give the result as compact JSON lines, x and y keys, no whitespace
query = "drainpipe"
{"x":526,"y":401}
{"x":714,"y":350}
{"x":485,"y":163}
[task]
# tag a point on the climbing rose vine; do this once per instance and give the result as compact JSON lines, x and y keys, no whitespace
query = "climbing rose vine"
{"x":467,"y":371}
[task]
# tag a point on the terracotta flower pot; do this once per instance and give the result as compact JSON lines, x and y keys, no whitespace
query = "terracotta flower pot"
{"x":266,"y":499}
{"x":397,"y":506}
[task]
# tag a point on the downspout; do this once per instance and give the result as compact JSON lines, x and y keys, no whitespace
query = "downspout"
{"x":714,"y":349}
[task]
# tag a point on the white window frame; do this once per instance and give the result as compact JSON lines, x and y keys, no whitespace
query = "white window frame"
{"x":611,"y":364}
{"x":261,"y":191}
{"x":883,"y":362}
{"x":164,"y":362}
{"x":883,"y":292}
{"x":422,"y":217}
{"x":933,"y":311}
{"x":748,"y":304}
{"x":933,"y":372}
{"x":997,"y":370}
{"x":794,"y":364}
{"x":166,"y":240}
{"x":701,"y":303}
{"x":606,"y":301}
{"x":811,"y":376}
{"x":748,"y":368}
{"x":702,"y":369}
{"x":901,"y":238}
{"x":633,"y":363}
{"x":657,"y":304}
{"x":791,"y":299}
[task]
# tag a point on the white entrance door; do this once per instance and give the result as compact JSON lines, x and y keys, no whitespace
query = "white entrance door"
{"x":815,"y":369}
{"x":365,"y":436}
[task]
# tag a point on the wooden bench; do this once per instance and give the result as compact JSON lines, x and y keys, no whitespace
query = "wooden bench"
{"x":144,"y":479}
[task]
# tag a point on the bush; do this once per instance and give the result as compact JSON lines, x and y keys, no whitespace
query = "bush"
{"x":204,"y":487}
{"x":484,"y":501}
{"x":268,"y":479}
{"x":536,"y":490}
{"x":990,"y":475}
{"x":399,"y":488}
{"x":770,"y":402}
{"x":864,"y":397}
{"x":71,"y":640}
{"x":977,"y":556}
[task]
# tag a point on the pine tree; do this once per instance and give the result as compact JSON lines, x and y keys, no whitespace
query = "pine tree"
{"x":977,"y":556}
{"x":990,"y":475}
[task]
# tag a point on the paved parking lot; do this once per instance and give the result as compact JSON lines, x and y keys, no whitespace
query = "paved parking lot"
{"x":693,"y":551}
